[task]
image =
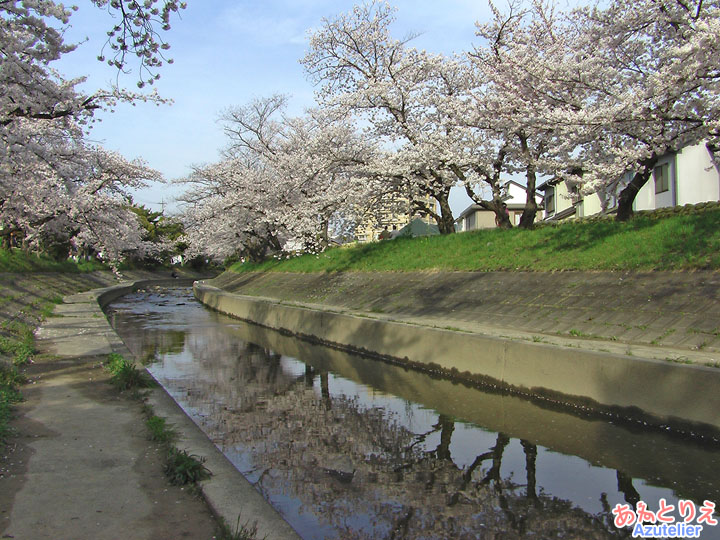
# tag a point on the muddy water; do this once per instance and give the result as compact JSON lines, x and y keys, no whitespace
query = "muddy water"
{"x":347,"y":447}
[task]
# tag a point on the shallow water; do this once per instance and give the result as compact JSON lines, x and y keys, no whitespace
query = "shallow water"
{"x":347,"y":447}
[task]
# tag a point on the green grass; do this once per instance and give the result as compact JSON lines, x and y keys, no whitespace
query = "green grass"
{"x":48,"y":306}
{"x":10,"y":379}
{"x":19,"y":344}
{"x":679,"y":242}
{"x":126,"y":375}
{"x":182,"y":468}
{"x":159,"y":430}
{"x":16,"y":260}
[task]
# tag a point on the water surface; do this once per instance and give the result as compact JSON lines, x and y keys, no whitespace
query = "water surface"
{"x":352,"y":448}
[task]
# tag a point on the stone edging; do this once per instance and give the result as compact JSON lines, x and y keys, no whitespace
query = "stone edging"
{"x":653,"y":391}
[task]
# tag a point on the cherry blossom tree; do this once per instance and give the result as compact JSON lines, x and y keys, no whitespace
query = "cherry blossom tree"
{"x":53,"y":185}
{"x":363,"y":71}
{"x":224,"y":212}
{"x":518,"y":97}
{"x":615,"y":88}
{"x":285,"y":182}
{"x":31,"y":36}
{"x":444,"y":119}
{"x":593,"y":94}
{"x":656,"y":84}
{"x":136,"y":34}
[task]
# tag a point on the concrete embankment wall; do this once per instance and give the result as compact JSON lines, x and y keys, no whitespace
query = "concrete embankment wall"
{"x":656,"y":391}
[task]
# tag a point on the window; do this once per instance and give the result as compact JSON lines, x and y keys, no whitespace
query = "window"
{"x":662,"y":178}
{"x":549,"y":201}
{"x":470,"y":222}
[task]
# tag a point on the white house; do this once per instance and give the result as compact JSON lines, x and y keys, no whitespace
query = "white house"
{"x":689,"y":176}
{"x":476,"y":217}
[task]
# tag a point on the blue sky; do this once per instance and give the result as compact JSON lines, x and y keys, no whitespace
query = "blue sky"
{"x":226,"y":53}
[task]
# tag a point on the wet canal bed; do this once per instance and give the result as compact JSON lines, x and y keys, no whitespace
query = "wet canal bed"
{"x":347,"y":447}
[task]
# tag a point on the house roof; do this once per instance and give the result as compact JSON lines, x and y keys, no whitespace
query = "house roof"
{"x":548,"y":183}
{"x":518,"y":184}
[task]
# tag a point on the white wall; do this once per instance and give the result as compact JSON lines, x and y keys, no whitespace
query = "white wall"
{"x":698,"y":178}
{"x":694,"y":179}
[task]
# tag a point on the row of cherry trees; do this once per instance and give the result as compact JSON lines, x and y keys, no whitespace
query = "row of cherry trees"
{"x":285,"y":183}
{"x":592,"y":96}
{"x":56,"y":188}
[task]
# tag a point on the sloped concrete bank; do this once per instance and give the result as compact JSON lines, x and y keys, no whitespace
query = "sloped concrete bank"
{"x":593,"y":374}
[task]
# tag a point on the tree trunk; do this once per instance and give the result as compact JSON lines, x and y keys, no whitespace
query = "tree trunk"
{"x":324,"y":237}
{"x":502,"y":217}
{"x":530,"y":468}
{"x":447,"y":426}
{"x":445,"y":221}
{"x":627,"y":195}
{"x":527,"y":220}
{"x":6,"y":239}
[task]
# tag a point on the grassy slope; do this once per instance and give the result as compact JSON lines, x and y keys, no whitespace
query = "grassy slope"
{"x":678,"y":242}
{"x":16,"y":260}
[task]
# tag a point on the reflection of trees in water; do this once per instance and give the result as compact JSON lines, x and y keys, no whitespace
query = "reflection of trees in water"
{"x":359,"y":469}
{"x":149,"y":344}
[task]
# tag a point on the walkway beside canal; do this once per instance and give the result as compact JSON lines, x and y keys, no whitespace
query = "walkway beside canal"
{"x":81,"y":466}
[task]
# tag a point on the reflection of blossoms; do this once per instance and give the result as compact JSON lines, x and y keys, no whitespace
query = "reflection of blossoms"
{"x":351,"y":466}
{"x":357,"y":469}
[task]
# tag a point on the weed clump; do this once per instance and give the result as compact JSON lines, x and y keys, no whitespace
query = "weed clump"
{"x":10,"y":379}
{"x":183,"y":468}
{"x":19,"y":343}
{"x":125,"y":375}
{"x":159,"y":430}
{"x":246,"y":531}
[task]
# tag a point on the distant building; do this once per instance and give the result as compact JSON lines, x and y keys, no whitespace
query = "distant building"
{"x":476,"y":217}
{"x":392,"y":213}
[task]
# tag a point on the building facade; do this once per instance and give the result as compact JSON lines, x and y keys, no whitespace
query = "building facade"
{"x":689,"y":176}
{"x":476,"y":217}
{"x":393,"y":214}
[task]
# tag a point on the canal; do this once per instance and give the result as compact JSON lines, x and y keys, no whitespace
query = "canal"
{"x":353,"y":448}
